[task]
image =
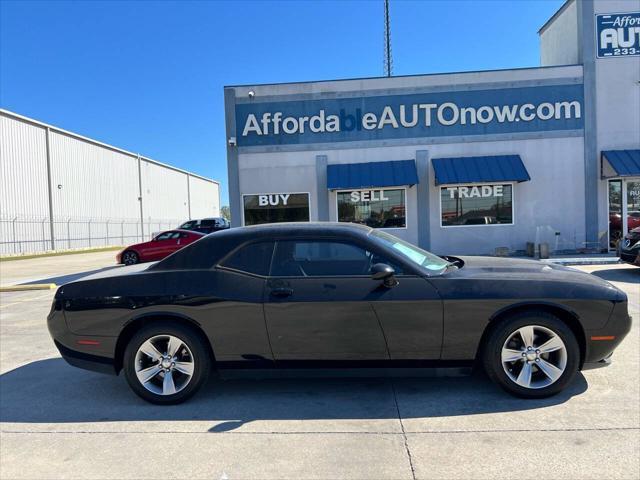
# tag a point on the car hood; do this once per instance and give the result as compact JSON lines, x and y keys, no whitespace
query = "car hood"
{"x":496,"y":268}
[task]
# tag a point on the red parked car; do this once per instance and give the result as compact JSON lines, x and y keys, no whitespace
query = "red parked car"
{"x":162,"y":245}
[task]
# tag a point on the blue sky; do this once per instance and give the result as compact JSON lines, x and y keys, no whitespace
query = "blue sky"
{"x":148,"y":76}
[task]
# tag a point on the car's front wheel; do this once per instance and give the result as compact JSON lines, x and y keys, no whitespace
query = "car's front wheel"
{"x":166,"y":363}
{"x":130,"y":257}
{"x":532,"y":355}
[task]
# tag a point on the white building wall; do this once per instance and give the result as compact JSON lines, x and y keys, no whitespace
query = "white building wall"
{"x":204,"y":197}
{"x":559,"y":43}
{"x":553,"y":201}
{"x":95,"y":191}
{"x":164,"y":194}
{"x":92,"y":185}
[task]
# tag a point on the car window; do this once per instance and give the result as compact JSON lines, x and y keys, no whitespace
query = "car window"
{"x":322,"y":258}
{"x":252,"y":258}
{"x":208,"y":223}
{"x":168,"y":235}
{"x":410,"y":252}
{"x":188,"y":225}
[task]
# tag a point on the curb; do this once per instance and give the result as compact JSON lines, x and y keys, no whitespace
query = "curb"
{"x":58,"y":253}
{"x":33,"y":286}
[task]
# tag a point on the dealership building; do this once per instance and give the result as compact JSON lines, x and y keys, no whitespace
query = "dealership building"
{"x":60,"y":190}
{"x":457,"y":162}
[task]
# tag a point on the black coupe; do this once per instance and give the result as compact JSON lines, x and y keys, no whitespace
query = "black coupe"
{"x":310,"y":295}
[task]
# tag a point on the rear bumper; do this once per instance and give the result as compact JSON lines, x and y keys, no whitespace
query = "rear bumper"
{"x":90,"y":353}
{"x":86,"y":361}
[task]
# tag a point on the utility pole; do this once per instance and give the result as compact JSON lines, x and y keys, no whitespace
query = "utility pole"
{"x":388,"y":61}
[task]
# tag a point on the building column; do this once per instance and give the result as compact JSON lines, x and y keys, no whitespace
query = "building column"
{"x":322,"y":192}
{"x":587,"y":53}
{"x":235,"y":202}
{"x":422,"y":194}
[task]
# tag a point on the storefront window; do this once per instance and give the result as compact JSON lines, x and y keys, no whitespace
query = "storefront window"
{"x":476,"y":205}
{"x":633,"y":204}
{"x":276,"y":207}
{"x":382,"y":208}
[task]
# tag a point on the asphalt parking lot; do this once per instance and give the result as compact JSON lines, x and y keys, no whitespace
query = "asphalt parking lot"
{"x":62,"y":422}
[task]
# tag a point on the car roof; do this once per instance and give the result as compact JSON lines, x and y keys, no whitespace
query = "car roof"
{"x":181,"y":230}
{"x":218,"y":244}
{"x":301,"y":228}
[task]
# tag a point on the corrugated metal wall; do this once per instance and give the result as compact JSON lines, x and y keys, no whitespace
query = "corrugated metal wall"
{"x":164,"y":193}
{"x":205,"y":198}
{"x":96,"y":191}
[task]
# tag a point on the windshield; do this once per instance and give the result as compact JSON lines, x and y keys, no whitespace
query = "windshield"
{"x":412,"y":253}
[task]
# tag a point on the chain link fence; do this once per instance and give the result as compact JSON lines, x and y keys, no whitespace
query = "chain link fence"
{"x":20,"y":235}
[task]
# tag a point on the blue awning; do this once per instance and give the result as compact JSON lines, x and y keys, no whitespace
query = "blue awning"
{"x":372,"y":174}
{"x":623,"y":163}
{"x":494,"y":168}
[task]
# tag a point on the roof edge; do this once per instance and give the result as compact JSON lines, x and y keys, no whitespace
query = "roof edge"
{"x":38,"y":123}
{"x":246,"y":85}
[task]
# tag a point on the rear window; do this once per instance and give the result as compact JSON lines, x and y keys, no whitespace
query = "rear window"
{"x":203,"y":254}
{"x":252,"y":258}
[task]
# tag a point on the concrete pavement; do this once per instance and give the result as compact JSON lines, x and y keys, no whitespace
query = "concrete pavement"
{"x":62,"y":422}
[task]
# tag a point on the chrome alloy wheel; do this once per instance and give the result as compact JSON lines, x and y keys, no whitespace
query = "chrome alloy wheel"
{"x":164,"y":364}
{"x":534,"y":356}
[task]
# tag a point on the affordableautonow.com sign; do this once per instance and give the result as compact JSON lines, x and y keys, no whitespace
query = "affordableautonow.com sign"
{"x":618,"y":35}
{"x":435,"y":114}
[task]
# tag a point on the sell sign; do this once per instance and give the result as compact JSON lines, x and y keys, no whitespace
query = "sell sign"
{"x":618,"y":35}
{"x":366,"y":196}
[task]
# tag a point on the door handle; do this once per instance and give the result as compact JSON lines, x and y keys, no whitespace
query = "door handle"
{"x":282,"y":292}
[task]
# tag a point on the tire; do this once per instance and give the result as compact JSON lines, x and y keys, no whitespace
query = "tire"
{"x":129,"y":257}
{"x":188,"y":368}
{"x":506,"y":342}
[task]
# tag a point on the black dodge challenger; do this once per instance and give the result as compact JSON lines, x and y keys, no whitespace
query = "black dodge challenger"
{"x":310,"y":295}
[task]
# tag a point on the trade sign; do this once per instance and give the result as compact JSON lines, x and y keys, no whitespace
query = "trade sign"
{"x":482,"y":191}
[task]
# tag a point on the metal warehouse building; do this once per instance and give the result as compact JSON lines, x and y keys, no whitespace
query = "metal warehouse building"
{"x":458,"y":162}
{"x":59,"y":190}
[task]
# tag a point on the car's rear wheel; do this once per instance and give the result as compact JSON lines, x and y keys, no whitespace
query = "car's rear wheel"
{"x":532,"y":354}
{"x":166,"y":363}
{"x":130,"y":257}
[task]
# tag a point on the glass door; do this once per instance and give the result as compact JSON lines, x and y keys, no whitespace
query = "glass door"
{"x":615,"y":212}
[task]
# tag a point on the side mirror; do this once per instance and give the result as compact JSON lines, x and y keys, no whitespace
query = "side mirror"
{"x":384,"y":272}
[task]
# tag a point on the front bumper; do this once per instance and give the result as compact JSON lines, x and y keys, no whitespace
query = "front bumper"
{"x":630,"y":256}
{"x":601,"y":343}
